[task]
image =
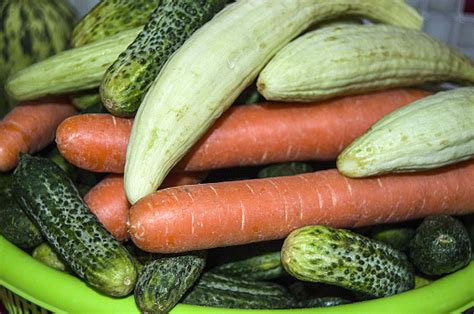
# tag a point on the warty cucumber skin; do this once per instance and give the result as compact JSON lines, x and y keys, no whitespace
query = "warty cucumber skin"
{"x":110,"y":17}
{"x":230,"y":292}
{"x":71,"y":70}
{"x":188,"y":96}
{"x":15,"y":225}
{"x":163,"y":282}
{"x":428,"y":133}
{"x":351,"y":59}
{"x":51,"y":200}
{"x":346,"y":259}
{"x":262,"y":267}
{"x":171,"y":23}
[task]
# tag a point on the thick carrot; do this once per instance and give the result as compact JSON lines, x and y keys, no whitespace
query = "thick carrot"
{"x":220,"y":214}
{"x":244,"y":135}
{"x":29,"y":127}
{"x":108,"y":202}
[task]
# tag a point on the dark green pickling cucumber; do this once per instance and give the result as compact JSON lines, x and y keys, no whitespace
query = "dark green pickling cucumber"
{"x":395,"y":236}
{"x":48,"y":256}
{"x":164,"y":281}
{"x":110,"y":17}
{"x":469,"y":224}
{"x":346,"y":259}
{"x":50,"y":198}
{"x":15,"y":225}
{"x":230,"y":292}
{"x":261,"y":267}
{"x":127,"y":80}
{"x":284,"y":169}
{"x":323,"y":302}
{"x":441,"y":245}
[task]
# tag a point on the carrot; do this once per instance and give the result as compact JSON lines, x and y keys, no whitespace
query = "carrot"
{"x":244,"y":135}
{"x":108,"y":202}
{"x":196,"y":217}
{"x":29,"y":127}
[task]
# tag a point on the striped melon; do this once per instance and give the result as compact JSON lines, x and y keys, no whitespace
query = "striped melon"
{"x":31,"y":31}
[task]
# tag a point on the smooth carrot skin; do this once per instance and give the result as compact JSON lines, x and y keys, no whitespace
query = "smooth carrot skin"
{"x":29,"y":127}
{"x":238,"y":212}
{"x":244,"y":135}
{"x":107,"y":200}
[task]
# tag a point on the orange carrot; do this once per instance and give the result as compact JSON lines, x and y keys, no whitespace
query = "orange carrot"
{"x":108,"y":202}
{"x":244,"y":135}
{"x":196,"y":217}
{"x":30,"y":127}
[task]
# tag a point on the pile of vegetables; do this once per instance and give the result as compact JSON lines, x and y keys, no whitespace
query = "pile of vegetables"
{"x":134,"y":159}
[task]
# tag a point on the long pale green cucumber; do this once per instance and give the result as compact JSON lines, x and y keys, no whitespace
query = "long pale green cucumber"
{"x":203,"y":78}
{"x":435,"y":131}
{"x":351,"y":59}
{"x":71,"y":70}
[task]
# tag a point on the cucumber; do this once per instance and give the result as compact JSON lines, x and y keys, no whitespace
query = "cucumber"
{"x":396,"y":236}
{"x":284,"y":169}
{"x":171,"y":23}
{"x":110,"y":17}
{"x":227,"y":292}
{"x":346,"y":259}
{"x":429,"y":133}
{"x":70,"y":70}
{"x":323,"y":302}
{"x":15,"y":225}
{"x":163,"y":282}
{"x":83,"y":100}
{"x":214,"y":66}
{"x":261,"y":267}
{"x":441,"y":246}
{"x":354,"y":59}
{"x":48,"y":256}
{"x":48,"y":196}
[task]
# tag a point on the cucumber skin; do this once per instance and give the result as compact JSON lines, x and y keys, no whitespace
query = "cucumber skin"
{"x":346,"y":259}
{"x":15,"y":225}
{"x":284,"y":169}
{"x":163,"y":282}
{"x":110,"y":17}
{"x":397,"y":237}
{"x":441,"y":245}
{"x":228,"y":292}
{"x":51,"y":199}
{"x":130,"y":76}
{"x":262,"y":267}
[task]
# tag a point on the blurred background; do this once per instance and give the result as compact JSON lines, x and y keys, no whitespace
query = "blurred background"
{"x":452,"y":21}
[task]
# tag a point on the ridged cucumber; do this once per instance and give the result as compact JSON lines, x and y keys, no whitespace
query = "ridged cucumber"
{"x":109,"y":17}
{"x":15,"y":225}
{"x":346,"y":259}
{"x":171,"y":23}
{"x":350,"y":59}
{"x":428,"y":133}
{"x":228,"y":292}
{"x":47,"y":194}
{"x":163,"y":282}
{"x":261,"y":267}
{"x":71,"y":70}
{"x":211,"y":69}
{"x":441,"y":246}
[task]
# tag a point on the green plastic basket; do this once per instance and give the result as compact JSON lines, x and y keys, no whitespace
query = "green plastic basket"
{"x":32,"y":287}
